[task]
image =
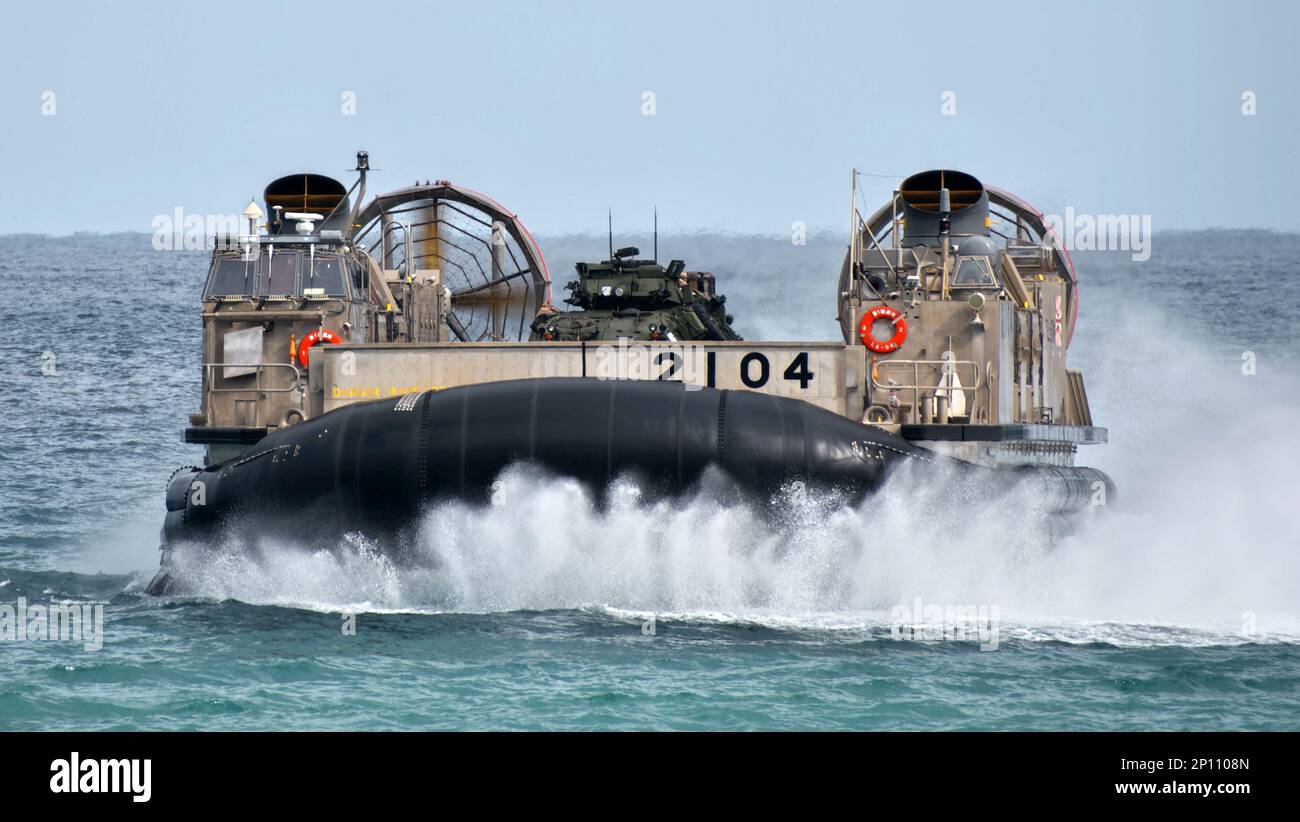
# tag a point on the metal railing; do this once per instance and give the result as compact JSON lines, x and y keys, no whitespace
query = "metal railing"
{"x":257,"y":389}
{"x":941,"y":368}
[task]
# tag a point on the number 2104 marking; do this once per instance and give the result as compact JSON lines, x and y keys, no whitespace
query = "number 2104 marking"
{"x":755,"y":369}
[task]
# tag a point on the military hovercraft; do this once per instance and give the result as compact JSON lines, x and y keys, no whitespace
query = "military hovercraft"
{"x":361,"y":362}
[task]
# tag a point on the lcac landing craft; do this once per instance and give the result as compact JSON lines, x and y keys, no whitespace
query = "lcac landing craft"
{"x":363,"y":361}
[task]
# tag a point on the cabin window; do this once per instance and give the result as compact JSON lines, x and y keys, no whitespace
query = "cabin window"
{"x":283,"y":273}
{"x":974,"y":271}
{"x":231,"y":277}
{"x":326,"y":273}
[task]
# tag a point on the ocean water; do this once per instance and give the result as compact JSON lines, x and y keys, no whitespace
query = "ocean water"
{"x":1176,"y":608}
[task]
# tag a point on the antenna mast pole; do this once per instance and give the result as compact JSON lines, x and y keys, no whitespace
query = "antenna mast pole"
{"x":853,"y":233}
{"x":656,"y":257}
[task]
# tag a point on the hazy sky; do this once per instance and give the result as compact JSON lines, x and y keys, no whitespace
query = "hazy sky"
{"x":761,"y":109}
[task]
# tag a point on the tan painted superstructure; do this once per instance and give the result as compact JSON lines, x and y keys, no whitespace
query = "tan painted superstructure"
{"x":981,"y":373}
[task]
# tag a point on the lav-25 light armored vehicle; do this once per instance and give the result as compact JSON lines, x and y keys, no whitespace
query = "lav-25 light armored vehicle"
{"x":627,"y":298}
{"x":358,"y":370}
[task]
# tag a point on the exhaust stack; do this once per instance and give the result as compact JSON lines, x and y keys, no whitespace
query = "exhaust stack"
{"x":306,"y":194}
{"x":943,"y":202}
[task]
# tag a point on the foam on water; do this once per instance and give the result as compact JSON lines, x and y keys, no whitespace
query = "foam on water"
{"x":1164,"y":564}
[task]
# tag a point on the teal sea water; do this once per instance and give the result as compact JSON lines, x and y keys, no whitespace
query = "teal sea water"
{"x":1178,"y":608}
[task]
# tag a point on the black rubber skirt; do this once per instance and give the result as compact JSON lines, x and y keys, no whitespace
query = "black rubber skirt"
{"x":373,"y":467}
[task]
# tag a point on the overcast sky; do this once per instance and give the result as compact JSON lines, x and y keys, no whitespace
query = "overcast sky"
{"x":759,"y":109}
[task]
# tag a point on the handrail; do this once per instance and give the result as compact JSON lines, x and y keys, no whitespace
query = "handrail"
{"x":257,"y":388}
{"x":916,"y":387}
{"x":297,"y":376}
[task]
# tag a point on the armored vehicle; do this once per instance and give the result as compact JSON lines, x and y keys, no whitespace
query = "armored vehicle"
{"x":627,"y":298}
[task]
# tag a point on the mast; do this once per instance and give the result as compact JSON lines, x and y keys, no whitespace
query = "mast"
{"x":656,"y":241}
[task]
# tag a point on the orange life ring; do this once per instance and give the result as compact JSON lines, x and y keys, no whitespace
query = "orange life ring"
{"x":900,"y":329}
{"x":324,"y":335}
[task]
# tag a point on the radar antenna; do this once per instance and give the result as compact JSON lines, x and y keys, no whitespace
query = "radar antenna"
{"x":656,"y":242}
